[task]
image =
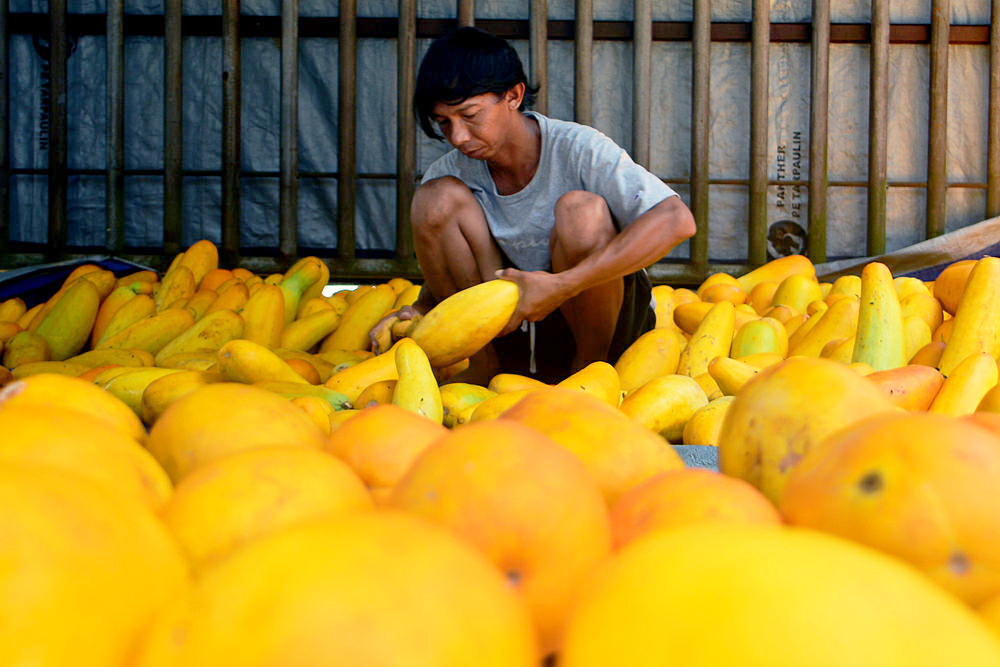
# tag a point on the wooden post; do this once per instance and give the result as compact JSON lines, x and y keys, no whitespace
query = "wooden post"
{"x":288,"y":197}
{"x":878,"y":132}
{"x":701,"y":74}
{"x":58,"y":143}
{"x":818,"y":116}
{"x":173,"y":128}
{"x":115,"y":176}
{"x":759,"y":82}
{"x":346,"y":184}
{"x":642,"y":81}
{"x":406,"y":140}
{"x":539,"y":51}
{"x":583,"y":111}
{"x":937,"y":148}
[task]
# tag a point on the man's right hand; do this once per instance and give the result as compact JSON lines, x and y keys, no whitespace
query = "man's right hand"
{"x":381,"y":334}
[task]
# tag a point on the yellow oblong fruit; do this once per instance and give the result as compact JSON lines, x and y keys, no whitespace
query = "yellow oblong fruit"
{"x":248,"y":362}
{"x":599,"y":379}
{"x":965,"y":387}
{"x":756,"y":582}
{"x":111,"y":305}
{"x":354,"y":379}
{"x":59,"y":391}
{"x":352,"y":331}
{"x":130,"y":386}
{"x":501,"y":383}
{"x":209,"y":333}
{"x":763,"y":336}
{"x":95,"y":358}
{"x":162,"y":392}
{"x":654,"y":353}
{"x":457,"y":397}
{"x":223,"y":505}
{"x":137,"y":308}
{"x":177,"y":284}
{"x":777,"y":270}
{"x":73,"y":550}
{"x":977,"y":319}
{"x":264,"y":316}
{"x":12,"y":309}
{"x":151,"y":333}
{"x":304,"y":333}
{"x":464,"y":323}
{"x":839,"y":321}
{"x":879,"y":342}
{"x":224,"y":418}
{"x":665,"y":404}
{"x":67,"y":325}
{"x":25,"y":347}
{"x":233,"y":298}
{"x":394,"y":571}
{"x":730,"y":374}
{"x":618,"y":452}
{"x":201,"y":258}
{"x":705,"y":425}
{"x":797,"y":291}
{"x":79,"y":444}
{"x":711,"y":339}
{"x":417,"y":388}
{"x":297,"y":282}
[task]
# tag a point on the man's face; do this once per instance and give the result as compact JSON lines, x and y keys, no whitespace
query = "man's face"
{"x":478,"y":125}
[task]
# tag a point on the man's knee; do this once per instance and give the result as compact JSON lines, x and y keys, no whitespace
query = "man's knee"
{"x":583,"y":222}
{"x":438,"y":202}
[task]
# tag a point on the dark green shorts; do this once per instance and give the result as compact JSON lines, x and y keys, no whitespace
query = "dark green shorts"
{"x":554,"y":344}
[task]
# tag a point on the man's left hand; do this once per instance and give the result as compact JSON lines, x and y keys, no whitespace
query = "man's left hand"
{"x":541,"y":293}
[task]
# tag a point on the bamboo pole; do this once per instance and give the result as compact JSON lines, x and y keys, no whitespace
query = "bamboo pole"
{"x":759,"y":83}
{"x":878,"y":118}
{"x":406,"y":151}
{"x":642,"y":81}
{"x":173,"y":127}
{"x":346,"y":184}
{"x":993,"y":150}
{"x":539,"y":52}
{"x":701,"y":74}
{"x":583,"y":110}
{"x":818,"y":126}
{"x":115,"y":160}
{"x":288,"y":197}
{"x":937,"y":149}
{"x":58,"y":143}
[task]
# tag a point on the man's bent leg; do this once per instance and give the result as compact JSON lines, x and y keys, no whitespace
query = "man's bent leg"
{"x":455,"y":250}
{"x":452,"y":240}
{"x":584,"y":225}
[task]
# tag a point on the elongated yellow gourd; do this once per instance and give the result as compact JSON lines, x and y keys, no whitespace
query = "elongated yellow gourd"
{"x":879,"y":342}
{"x":463,"y":324}
{"x":417,"y":389}
{"x":977,"y":320}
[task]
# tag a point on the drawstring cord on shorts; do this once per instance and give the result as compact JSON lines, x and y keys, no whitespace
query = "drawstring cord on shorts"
{"x":530,"y":328}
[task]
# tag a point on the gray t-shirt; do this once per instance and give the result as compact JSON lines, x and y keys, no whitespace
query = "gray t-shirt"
{"x":573,"y":157}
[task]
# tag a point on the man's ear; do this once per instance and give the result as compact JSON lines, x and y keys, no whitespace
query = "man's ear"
{"x":515,"y":95}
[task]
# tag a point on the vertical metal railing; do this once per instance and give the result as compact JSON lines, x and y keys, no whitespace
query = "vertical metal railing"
{"x":114,"y":232}
{"x":993,"y":150}
{"x":937,"y":148}
{"x":173,"y":127}
{"x":538,"y":45}
{"x":347,"y":49}
{"x":583,"y":90}
{"x":878,"y":127}
{"x":701,"y":76}
{"x":288,"y":196}
{"x":58,"y":143}
{"x":642,"y":80}
{"x":406,"y":153}
{"x":231,"y":155}
{"x":4,"y":130}
{"x":818,"y":115}
{"x":759,"y":82}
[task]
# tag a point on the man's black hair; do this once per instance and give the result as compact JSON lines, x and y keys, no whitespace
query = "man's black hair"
{"x":462,"y":64}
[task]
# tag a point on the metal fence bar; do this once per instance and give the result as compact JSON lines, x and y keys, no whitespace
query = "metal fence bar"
{"x":288,"y":196}
{"x":818,"y":116}
{"x":538,"y":45}
{"x":759,"y":82}
{"x":114,"y":186}
{"x":993,"y":150}
{"x":231,"y":77}
{"x":173,"y":127}
{"x":583,"y":103}
{"x":346,"y":122}
{"x":937,"y":149}
{"x":466,"y":13}
{"x":878,"y":127}
{"x":701,"y":76}
{"x":406,"y":146}
{"x":58,"y":143}
{"x":4,"y":122}
{"x":642,"y":81}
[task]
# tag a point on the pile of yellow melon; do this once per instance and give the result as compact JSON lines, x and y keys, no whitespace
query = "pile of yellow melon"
{"x":213,"y":468}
